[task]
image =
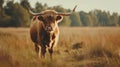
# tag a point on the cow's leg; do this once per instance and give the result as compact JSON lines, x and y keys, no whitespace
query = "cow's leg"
{"x":43,"y":51}
{"x":51,"y":50}
{"x":37,"y":49}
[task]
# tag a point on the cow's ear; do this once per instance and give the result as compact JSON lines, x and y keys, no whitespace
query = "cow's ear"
{"x":40,"y":18}
{"x":59,"y":18}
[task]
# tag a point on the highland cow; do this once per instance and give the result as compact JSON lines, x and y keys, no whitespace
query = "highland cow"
{"x":44,"y":30}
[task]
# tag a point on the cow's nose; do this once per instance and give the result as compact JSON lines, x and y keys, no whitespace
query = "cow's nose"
{"x":49,"y":29}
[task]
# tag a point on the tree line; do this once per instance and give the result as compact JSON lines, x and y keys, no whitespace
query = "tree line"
{"x":17,"y":15}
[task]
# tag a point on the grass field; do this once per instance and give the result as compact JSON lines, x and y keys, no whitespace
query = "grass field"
{"x":77,"y":47}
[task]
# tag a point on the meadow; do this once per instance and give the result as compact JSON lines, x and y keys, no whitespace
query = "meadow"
{"x":77,"y":47}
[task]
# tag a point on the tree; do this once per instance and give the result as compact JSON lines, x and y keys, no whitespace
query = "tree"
{"x":9,"y":8}
{"x":115,"y":19}
{"x":16,"y":14}
{"x":1,"y":8}
{"x":39,"y":7}
{"x":25,"y":4}
{"x":4,"y":19}
{"x":119,"y":21}
{"x":1,"y":4}
{"x":75,"y":19}
{"x":83,"y":18}
{"x":19,"y":14}
{"x":89,"y":20}
{"x":45,"y":6}
{"x":94,"y":18}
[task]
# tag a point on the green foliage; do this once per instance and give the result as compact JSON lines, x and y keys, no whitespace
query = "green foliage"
{"x":1,"y":3}
{"x":83,"y":17}
{"x":16,"y":15}
{"x":19,"y":15}
{"x":115,"y":19}
{"x":93,"y":16}
{"x":39,"y":7}
{"x":4,"y":19}
{"x":66,"y":21}
{"x":25,"y":4}
{"x":75,"y":19}
{"x":119,"y":20}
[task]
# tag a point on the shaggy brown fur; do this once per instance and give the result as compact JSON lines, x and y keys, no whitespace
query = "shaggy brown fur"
{"x":44,"y":31}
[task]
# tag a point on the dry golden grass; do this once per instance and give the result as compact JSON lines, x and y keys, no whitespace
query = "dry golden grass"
{"x":77,"y":47}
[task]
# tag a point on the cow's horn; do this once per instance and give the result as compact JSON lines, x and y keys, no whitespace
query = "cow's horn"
{"x":35,"y":14}
{"x":32,"y":13}
{"x":67,"y":14}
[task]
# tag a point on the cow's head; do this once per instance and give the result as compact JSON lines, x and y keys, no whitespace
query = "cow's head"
{"x":50,"y":18}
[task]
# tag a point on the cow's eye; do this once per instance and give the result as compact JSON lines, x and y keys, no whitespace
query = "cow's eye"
{"x":40,"y":18}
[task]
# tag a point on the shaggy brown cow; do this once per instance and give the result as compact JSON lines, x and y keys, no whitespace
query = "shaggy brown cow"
{"x":44,"y":30}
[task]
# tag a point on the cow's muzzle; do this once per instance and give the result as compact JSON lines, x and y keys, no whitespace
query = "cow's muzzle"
{"x":49,"y":29}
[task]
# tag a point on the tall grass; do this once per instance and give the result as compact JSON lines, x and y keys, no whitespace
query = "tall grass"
{"x":77,"y":47}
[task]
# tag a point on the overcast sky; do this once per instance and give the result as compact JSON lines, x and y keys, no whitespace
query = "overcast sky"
{"x":85,"y":5}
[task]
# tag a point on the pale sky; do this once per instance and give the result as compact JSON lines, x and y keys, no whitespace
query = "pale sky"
{"x":83,"y":5}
